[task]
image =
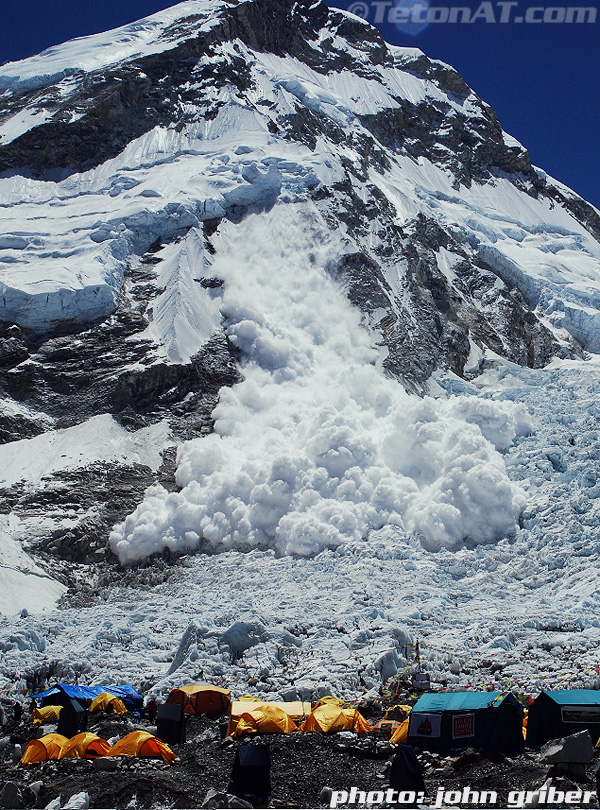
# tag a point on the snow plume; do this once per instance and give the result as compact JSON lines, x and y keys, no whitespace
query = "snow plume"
{"x":316,"y":447}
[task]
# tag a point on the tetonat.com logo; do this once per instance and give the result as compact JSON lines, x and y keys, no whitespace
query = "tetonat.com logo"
{"x":413,"y":16}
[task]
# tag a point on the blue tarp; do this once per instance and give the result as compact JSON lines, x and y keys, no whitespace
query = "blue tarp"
{"x":457,"y":701}
{"x":128,"y":694}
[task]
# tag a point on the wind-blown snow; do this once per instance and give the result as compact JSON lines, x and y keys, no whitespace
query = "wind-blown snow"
{"x":316,"y":447}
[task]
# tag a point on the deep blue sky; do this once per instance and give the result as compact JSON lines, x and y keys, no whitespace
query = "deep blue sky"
{"x":543,"y":80}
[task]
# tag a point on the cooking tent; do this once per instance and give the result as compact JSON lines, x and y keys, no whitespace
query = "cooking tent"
{"x":447,"y":720}
{"x":562,"y":712}
{"x":61,"y":693}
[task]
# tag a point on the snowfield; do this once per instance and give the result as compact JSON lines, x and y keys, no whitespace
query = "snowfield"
{"x":331,"y":519}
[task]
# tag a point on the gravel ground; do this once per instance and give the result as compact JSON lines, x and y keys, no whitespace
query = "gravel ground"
{"x":302,"y":764}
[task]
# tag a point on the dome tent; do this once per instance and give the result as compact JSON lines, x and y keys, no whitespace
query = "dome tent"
{"x":85,"y":746}
{"x":107,"y":702}
{"x":201,"y":698}
{"x":47,"y":714}
{"x":296,"y":710}
{"x":329,"y":717}
{"x":142,"y":744}
{"x":265,"y":719}
{"x":47,"y":747}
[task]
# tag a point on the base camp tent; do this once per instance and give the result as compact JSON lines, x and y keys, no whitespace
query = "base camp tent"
{"x":108,"y":703}
{"x":47,"y":747}
{"x":47,"y":714}
{"x":400,"y":734}
{"x":85,"y":746}
{"x":90,"y":746}
{"x":296,"y":710}
{"x":563,"y":712}
{"x":265,"y":718}
{"x":446,"y":720}
{"x":61,"y":693}
{"x":142,"y":744}
{"x":329,"y":717}
{"x":202,"y":698}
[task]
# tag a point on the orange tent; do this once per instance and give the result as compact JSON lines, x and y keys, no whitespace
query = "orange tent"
{"x":265,"y":719}
{"x":328,"y":699}
{"x":296,"y":710}
{"x":142,"y":744}
{"x":47,"y":747}
{"x":329,"y":717}
{"x":201,"y":698}
{"x":85,"y":746}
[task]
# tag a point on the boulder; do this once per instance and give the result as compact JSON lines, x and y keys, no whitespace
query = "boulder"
{"x":79,"y":801}
{"x":10,"y":796}
{"x":325,"y":797}
{"x":219,"y":799}
{"x":574,"y":748}
{"x":106,"y":763}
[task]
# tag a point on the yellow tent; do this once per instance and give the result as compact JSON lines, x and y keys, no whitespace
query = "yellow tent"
{"x":265,"y":719}
{"x":296,"y":710}
{"x":328,"y":699}
{"x":142,"y":744}
{"x":85,"y":746}
{"x":201,"y":698}
{"x":330,"y":717}
{"x":401,"y":734}
{"x":107,"y":703}
{"x":47,"y":714}
{"x":47,"y":747}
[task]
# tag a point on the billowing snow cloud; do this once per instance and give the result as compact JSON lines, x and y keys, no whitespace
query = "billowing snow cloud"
{"x":316,"y":447}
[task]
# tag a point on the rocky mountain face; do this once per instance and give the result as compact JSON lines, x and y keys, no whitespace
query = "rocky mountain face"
{"x":91,"y":116}
{"x":129,"y":162}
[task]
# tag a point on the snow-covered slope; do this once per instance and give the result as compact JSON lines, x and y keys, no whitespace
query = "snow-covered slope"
{"x":275,"y":289}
